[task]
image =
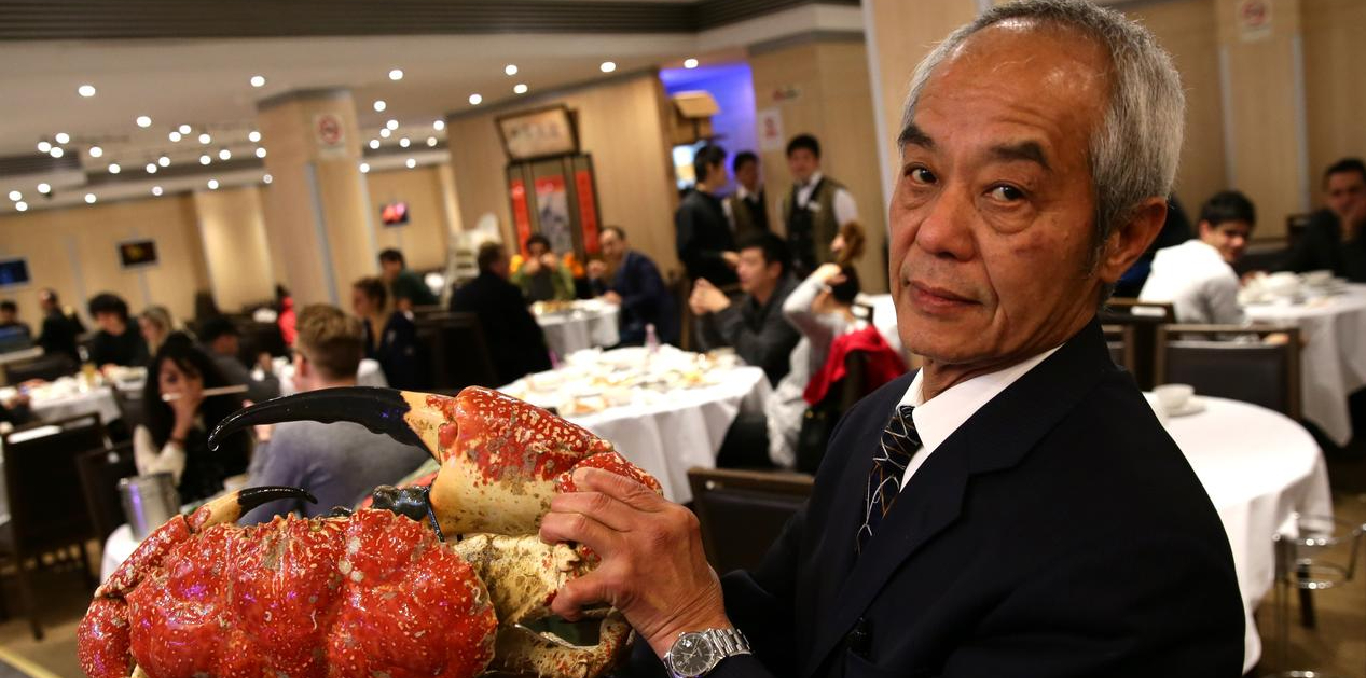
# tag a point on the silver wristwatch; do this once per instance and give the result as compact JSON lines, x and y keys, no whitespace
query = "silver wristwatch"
{"x":697,"y":653}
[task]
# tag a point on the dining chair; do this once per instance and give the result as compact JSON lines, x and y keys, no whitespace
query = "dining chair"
{"x":100,"y":471}
{"x":1143,"y":317}
{"x":47,"y":367}
{"x":743,"y":511}
{"x":1256,"y":371}
{"x":456,"y":352}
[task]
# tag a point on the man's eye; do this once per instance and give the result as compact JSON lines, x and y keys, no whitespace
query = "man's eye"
{"x":1006,"y":193}
{"x":920,"y":175}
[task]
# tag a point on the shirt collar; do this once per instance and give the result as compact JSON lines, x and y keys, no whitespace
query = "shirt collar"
{"x":937,"y":418}
{"x":815,"y":179}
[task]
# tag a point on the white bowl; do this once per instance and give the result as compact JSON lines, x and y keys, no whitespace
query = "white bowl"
{"x":1173,"y":397}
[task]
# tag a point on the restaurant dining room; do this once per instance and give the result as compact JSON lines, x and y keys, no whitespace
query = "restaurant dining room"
{"x":732,"y":338}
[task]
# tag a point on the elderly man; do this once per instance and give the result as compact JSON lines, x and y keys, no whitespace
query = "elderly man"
{"x":1014,"y":508}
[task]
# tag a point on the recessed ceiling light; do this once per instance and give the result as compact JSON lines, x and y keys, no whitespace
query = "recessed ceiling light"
{"x":396,"y":74}
{"x":411,"y":163}
{"x":44,"y":188}
{"x":260,"y":151}
{"x":96,"y":151}
{"x":266,"y":179}
{"x":164,"y":161}
{"x":16,"y":196}
{"x":385,"y":132}
{"x":144,"y":121}
{"x":21,"y":206}
{"x":205,"y":159}
{"x":608,"y":66}
{"x":431,"y":141}
{"x":89,"y":198}
{"x":156,"y":191}
{"x":690,"y":63}
{"x":44,"y":147}
{"x":114,"y":168}
{"x":438,"y":125}
{"x":374,"y":143}
{"x":185,"y":129}
{"x":405,"y":142}
{"x":213,"y":184}
{"x":365,"y":168}
{"x":254,"y":137}
{"x":205,"y":139}
{"x":224,"y":154}
{"x":510,"y":69}
{"x":57,"y":152}
{"x":258,"y":81}
{"x":174,"y":136}
{"x":380,"y":105}
{"x":476,"y":99}
{"x":62,"y":138}
{"x":151,"y":168}
{"x":391,"y":124}
{"x":86,"y":91}
{"x":519,"y":89}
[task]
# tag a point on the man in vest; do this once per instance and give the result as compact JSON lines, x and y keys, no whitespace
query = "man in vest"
{"x":815,"y":207}
{"x":746,"y":208}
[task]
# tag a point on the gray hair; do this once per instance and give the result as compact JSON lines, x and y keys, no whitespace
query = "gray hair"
{"x":1133,"y":154}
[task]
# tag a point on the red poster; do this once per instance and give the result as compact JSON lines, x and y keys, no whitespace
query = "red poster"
{"x":588,"y":211}
{"x":521,"y":220}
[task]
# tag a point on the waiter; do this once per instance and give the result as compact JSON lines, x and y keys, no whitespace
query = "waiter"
{"x":815,"y":207}
{"x":1014,"y":508}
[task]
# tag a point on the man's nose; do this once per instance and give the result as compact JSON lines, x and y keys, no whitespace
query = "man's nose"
{"x":946,"y":230}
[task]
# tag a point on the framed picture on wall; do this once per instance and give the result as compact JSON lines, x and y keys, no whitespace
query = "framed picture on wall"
{"x":539,"y":133}
{"x":137,"y":253}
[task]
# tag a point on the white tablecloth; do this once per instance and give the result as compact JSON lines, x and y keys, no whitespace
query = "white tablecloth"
{"x":1333,"y":363}
{"x":369,"y":374}
{"x":1259,"y":469}
{"x":590,"y":323}
{"x":66,"y":398}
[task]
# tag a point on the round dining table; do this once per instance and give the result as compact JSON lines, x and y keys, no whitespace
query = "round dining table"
{"x":579,"y":325}
{"x":1333,"y":361}
{"x":1261,"y":469}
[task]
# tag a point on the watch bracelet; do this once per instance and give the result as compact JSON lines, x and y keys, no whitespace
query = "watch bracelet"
{"x":731,"y":641}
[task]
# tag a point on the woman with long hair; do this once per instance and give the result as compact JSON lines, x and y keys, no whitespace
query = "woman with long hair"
{"x":390,"y":337}
{"x":156,"y":324}
{"x":174,"y":437}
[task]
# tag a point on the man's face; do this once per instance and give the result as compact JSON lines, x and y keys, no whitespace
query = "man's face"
{"x":748,"y":175}
{"x":991,"y":218}
{"x":613,"y":247}
{"x":46,"y":303}
{"x":536,"y":249}
{"x":225,"y":345}
{"x":1347,"y":196}
{"x":802,"y":163}
{"x":1229,"y":237}
{"x":7,"y":316}
{"x":756,"y":276}
{"x":110,"y":322}
{"x":361,"y":303}
{"x":390,"y":269}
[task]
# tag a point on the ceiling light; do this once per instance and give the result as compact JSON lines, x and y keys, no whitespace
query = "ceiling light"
{"x":510,"y":69}
{"x":438,"y":125}
{"x":404,"y":142}
{"x":96,"y":151}
{"x":205,"y":139}
{"x":44,"y":188}
{"x":608,"y":66}
{"x":213,"y":184}
{"x":690,"y":63}
{"x":431,"y":141}
{"x":156,"y":191}
{"x":144,"y":121}
{"x":21,"y":206}
{"x":89,"y":198}
{"x":44,"y":146}
{"x":410,"y":163}
{"x":391,"y":124}
{"x":205,"y":159}
{"x":254,"y":137}
{"x":164,"y":161}
{"x":266,"y":179}
{"x":151,"y":168}
{"x":258,"y":81}
{"x":62,"y":138}
{"x":385,"y":132}
{"x":374,"y":143}
{"x":114,"y":168}
{"x":86,"y":91}
{"x":395,"y":74}
{"x":365,"y":168}
{"x":174,"y":136}
{"x":476,"y":99}
{"x":519,"y":89}
{"x":185,"y":129}
{"x":260,"y":151}
{"x":57,"y":152}
{"x":16,"y":196}
{"x":380,"y":105}
{"x":224,"y":154}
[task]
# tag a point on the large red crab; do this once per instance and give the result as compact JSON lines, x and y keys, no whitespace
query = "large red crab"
{"x":374,"y":593}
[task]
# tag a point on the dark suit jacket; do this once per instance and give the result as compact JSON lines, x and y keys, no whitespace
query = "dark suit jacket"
{"x":644,"y":300}
{"x":1059,"y":532}
{"x":1320,"y":247}
{"x":513,"y":338}
{"x":702,"y":233}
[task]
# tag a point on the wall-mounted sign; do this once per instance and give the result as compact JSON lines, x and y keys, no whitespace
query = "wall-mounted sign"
{"x":770,"y":122}
{"x":1254,"y":20}
{"x":329,"y":134}
{"x":540,"y":133}
{"x":137,"y":253}
{"x":788,"y":93}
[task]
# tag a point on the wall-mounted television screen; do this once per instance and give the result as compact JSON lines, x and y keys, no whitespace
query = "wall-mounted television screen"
{"x":394,"y":214}
{"x":138,"y":253}
{"x":13,"y":272}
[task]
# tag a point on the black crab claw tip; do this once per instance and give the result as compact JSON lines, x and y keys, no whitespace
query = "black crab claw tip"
{"x":251,"y":497}
{"x":379,"y":409}
{"x":410,"y":502}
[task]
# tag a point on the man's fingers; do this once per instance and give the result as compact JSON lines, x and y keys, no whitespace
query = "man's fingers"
{"x":613,"y":514}
{"x":579,"y":593}
{"x":558,"y":528}
{"x":620,"y":488}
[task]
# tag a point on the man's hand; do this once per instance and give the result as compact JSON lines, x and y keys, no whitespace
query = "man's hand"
{"x":732,"y":258}
{"x":550,"y":261}
{"x":707,"y":298}
{"x":653,"y":565}
{"x":532,"y":265}
{"x":597,"y":269}
{"x":612,"y":298}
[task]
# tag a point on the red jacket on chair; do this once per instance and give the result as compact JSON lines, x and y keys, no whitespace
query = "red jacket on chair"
{"x":884,"y":364}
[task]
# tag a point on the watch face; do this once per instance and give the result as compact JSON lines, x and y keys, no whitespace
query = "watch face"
{"x":692,"y":655}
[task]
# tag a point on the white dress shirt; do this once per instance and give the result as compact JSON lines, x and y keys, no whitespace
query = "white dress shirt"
{"x":845,"y":209}
{"x":1202,"y":287}
{"x":937,"y":418}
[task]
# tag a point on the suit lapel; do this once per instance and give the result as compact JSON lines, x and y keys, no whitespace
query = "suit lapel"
{"x":998,"y":436}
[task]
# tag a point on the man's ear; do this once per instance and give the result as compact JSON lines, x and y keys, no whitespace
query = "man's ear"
{"x":1131,"y":239}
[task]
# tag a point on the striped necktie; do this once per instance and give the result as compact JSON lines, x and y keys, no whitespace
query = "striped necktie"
{"x":899,"y":444}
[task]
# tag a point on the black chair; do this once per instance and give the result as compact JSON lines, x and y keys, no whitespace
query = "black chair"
{"x":456,"y":352}
{"x":47,"y":506}
{"x":742,"y":512}
{"x":819,"y":420}
{"x":1120,"y":340}
{"x":258,"y":338}
{"x":1144,"y":317}
{"x":100,"y":471}
{"x":1257,"y":372}
{"x":47,"y":367}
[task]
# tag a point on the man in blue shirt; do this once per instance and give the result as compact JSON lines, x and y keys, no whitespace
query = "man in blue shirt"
{"x":636,"y":286}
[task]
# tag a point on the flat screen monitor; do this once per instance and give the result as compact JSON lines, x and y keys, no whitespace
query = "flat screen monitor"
{"x":394,"y":214}
{"x":13,"y":272}
{"x":138,"y":253}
